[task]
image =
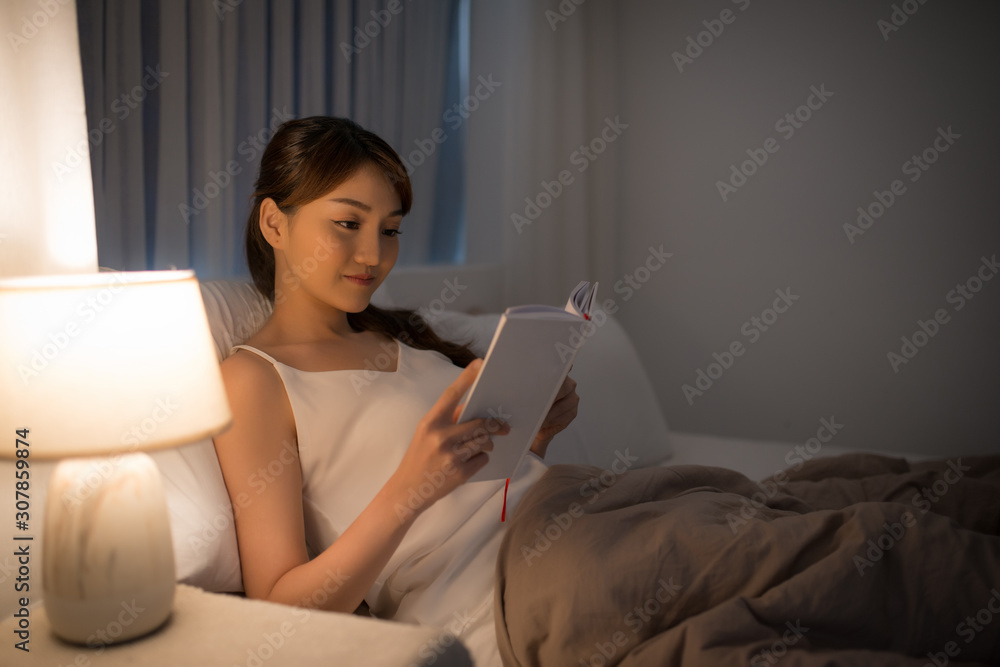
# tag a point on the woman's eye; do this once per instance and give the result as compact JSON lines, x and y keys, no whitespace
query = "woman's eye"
{"x":354,"y":225}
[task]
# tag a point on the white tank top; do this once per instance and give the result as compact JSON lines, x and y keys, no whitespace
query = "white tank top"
{"x":353,"y":427}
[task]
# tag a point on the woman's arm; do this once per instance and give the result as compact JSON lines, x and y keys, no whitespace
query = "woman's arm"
{"x":270,"y":527}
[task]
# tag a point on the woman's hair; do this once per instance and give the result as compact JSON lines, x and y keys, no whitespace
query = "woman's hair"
{"x":307,"y":158}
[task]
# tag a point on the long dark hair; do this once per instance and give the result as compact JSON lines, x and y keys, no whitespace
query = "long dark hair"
{"x":307,"y":158}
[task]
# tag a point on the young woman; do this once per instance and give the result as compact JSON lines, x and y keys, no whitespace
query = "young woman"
{"x":371,"y":503}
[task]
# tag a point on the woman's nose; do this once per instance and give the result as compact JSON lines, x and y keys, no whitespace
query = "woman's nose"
{"x":367,"y":251}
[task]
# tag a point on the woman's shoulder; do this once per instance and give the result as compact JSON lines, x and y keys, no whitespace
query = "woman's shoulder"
{"x":249,"y":376}
{"x":256,"y":393}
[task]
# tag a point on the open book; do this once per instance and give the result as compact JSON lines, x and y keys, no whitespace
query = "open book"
{"x":527,"y":361}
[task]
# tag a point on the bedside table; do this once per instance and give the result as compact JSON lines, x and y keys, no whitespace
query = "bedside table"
{"x":218,"y":629}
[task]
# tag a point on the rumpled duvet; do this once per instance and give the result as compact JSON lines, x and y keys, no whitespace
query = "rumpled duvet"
{"x":851,"y":560}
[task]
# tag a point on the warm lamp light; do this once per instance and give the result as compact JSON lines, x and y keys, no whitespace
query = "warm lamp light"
{"x":106,"y":364}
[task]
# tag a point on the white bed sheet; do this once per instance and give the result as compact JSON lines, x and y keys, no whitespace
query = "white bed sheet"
{"x":756,"y":459}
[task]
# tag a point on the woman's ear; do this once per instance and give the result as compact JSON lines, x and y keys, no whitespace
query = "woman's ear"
{"x":273,"y":223}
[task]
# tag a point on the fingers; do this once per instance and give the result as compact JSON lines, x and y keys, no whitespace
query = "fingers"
{"x":474,"y":462}
{"x":562,"y":412}
{"x":476,"y":433}
{"x":444,"y":410}
{"x":567,"y":388}
{"x":469,"y":447}
{"x":561,"y":415}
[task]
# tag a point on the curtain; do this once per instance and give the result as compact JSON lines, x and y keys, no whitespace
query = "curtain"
{"x":559,"y":94}
{"x":185,"y":95}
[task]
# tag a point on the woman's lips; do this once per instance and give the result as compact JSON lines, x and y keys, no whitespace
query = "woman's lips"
{"x":361,"y":280}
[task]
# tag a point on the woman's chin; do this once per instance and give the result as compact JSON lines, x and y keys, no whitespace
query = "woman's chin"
{"x":356,"y":305}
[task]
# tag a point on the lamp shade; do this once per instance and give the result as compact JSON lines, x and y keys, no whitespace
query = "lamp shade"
{"x":103,"y":363}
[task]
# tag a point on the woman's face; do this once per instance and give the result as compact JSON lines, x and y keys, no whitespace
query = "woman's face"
{"x":350,"y":231}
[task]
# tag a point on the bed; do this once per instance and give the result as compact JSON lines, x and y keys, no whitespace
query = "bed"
{"x":611,"y":422}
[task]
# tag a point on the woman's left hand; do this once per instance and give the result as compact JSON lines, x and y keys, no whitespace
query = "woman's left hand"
{"x":562,"y":412}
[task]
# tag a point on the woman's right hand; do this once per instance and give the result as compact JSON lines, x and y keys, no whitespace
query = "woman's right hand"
{"x":443,"y":455}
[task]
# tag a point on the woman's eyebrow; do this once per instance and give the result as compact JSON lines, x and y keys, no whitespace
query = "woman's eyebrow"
{"x":363,"y":206}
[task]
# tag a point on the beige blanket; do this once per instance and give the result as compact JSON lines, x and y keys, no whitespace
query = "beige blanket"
{"x":854,"y":560}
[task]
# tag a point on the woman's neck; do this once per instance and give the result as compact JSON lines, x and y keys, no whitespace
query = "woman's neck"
{"x":297,"y":321}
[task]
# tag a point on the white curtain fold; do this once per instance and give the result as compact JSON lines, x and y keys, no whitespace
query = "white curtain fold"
{"x":556,"y":97}
{"x":173,"y":177}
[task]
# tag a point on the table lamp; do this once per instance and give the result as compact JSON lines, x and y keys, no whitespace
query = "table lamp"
{"x":104,"y":365}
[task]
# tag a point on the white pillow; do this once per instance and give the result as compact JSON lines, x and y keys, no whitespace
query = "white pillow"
{"x":618,"y":412}
{"x":201,"y":517}
{"x":618,"y":408}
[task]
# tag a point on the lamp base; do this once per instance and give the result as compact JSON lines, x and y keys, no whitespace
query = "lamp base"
{"x":108,"y":558}
{"x":104,"y":621}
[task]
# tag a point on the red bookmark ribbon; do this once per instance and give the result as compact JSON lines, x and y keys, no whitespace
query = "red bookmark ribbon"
{"x":503,"y":512}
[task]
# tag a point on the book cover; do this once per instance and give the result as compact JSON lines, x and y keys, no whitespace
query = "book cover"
{"x":530,"y":355}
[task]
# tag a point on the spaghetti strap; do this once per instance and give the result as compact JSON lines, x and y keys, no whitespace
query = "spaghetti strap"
{"x":259,"y":353}
{"x":352,"y":430}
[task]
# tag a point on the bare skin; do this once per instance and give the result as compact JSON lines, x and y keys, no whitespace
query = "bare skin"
{"x":315,"y":249}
